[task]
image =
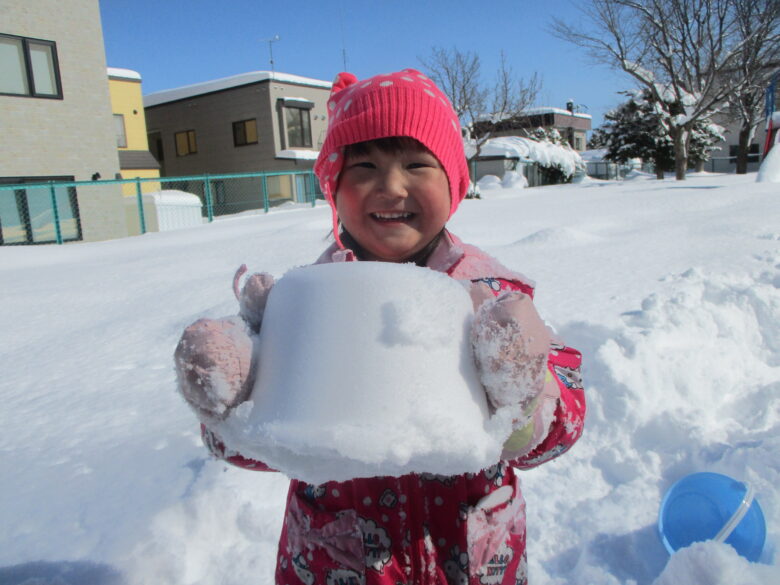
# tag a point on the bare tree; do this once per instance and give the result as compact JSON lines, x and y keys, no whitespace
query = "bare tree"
{"x":758,"y":30}
{"x":459,"y":75}
{"x":679,"y":49}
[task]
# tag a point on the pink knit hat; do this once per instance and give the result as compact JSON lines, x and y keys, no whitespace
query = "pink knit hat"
{"x":405,"y":103}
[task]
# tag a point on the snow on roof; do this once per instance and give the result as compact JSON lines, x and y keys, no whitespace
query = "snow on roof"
{"x":551,"y":110}
{"x":123,"y":73}
{"x":297,"y":99}
{"x":525,"y":149}
{"x":298,"y":154}
{"x":179,"y":93}
{"x":595,"y":155}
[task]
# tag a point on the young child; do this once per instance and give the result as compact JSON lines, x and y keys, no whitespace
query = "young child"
{"x":394,"y":171}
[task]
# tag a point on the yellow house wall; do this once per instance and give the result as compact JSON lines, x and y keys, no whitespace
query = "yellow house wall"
{"x":126,"y":100}
{"x":129,"y":189}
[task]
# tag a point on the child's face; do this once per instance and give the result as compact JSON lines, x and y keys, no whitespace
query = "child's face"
{"x":393,"y":203}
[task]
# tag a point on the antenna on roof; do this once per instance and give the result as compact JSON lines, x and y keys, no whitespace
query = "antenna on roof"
{"x":271,"y":42}
{"x":343,"y":44}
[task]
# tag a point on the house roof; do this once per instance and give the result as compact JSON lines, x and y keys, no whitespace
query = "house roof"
{"x":186,"y":91}
{"x":137,"y":159}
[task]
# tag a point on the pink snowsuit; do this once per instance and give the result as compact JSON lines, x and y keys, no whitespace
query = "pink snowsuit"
{"x":423,"y":529}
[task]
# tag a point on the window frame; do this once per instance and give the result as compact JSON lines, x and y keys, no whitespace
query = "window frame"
{"x":29,"y":71}
{"x":240,"y":131}
{"x":191,"y":141}
{"x":300,"y":111}
{"x":123,"y":136}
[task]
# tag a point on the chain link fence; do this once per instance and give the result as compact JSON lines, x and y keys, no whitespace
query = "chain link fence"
{"x":54,"y":211}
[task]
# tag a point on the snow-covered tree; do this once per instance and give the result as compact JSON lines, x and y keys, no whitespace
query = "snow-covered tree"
{"x":758,"y":28}
{"x":459,"y":75}
{"x":638,"y":128}
{"x":553,"y":172}
{"x":598,"y":139}
{"x":679,"y":50}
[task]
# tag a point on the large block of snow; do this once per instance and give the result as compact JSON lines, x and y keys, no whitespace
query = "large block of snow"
{"x":366,"y":369}
{"x":769,"y":172}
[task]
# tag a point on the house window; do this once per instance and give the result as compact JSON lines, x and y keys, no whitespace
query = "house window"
{"x":27,"y":216}
{"x":186,"y":143}
{"x":577,"y":143}
{"x":119,"y":128}
{"x":245,"y":132}
{"x":298,"y":127}
{"x":29,"y":67}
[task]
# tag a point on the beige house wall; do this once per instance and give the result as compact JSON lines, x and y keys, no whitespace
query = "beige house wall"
{"x":211,"y":115}
{"x":72,"y":136}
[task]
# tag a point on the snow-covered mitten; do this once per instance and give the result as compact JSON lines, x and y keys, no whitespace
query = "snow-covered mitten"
{"x":511,"y":344}
{"x":215,"y":359}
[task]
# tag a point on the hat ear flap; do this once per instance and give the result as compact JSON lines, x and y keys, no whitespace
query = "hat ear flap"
{"x":342,"y":81}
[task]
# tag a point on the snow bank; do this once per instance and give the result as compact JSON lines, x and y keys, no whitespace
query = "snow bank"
{"x":514,"y":180}
{"x":693,"y":377}
{"x":489,"y":182}
{"x":770,"y":167}
{"x":343,"y":389}
{"x":714,"y":563}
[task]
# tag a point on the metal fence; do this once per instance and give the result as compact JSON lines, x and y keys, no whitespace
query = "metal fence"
{"x":54,"y":211}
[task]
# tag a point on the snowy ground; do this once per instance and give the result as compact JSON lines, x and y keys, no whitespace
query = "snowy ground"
{"x":671,"y":290}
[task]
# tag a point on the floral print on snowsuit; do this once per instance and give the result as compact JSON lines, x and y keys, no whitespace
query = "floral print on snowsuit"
{"x":422,"y":529}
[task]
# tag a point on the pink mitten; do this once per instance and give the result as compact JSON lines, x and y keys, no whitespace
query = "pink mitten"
{"x":511,"y":344}
{"x":215,"y":360}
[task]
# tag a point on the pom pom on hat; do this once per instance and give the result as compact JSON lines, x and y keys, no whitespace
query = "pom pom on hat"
{"x":406,"y":103}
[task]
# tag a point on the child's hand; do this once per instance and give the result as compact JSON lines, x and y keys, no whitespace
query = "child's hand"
{"x":511,"y":344}
{"x":215,"y":360}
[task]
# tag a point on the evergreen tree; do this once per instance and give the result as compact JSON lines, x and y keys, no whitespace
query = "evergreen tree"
{"x":598,"y":139}
{"x":639,"y":128}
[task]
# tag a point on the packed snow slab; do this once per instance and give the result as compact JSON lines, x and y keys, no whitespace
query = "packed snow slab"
{"x":366,"y":369}
{"x":770,"y":167}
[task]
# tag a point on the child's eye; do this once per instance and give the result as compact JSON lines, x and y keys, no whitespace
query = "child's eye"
{"x":362,"y":164}
{"x":418,"y":165}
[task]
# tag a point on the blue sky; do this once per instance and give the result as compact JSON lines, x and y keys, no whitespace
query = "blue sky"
{"x":176,"y":42}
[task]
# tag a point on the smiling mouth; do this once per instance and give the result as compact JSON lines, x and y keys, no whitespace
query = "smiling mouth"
{"x":392,"y":215}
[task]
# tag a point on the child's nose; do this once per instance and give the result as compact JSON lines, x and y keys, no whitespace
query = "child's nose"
{"x":393,"y":183}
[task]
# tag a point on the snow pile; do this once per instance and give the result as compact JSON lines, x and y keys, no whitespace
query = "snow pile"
{"x":713,"y":563}
{"x":514,"y":180}
{"x":702,"y":357}
{"x":770,"y":167}
{"x":694,"y":373}
{"x":389,"y":412}
{"x":489,"y":182}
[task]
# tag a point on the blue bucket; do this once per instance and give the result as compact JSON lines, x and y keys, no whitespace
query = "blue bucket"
{"x":711,"y":506}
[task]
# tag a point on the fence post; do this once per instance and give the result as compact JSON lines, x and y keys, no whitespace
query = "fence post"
{"x":209,"y":205}
{"x":265,"y":193}
{"x":55,"y":212}
{"x":313,"y":185}
{"x":140,"y":201}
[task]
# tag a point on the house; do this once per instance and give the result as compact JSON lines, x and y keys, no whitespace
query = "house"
{"x":258,"y":121}
{"x":725,"y":159}
{"x":56,"y":124}
{"x":571,"y":125}
{"x":127,"y":107}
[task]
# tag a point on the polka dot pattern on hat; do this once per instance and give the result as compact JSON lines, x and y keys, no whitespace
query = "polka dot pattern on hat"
{"x":405,"y":103}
